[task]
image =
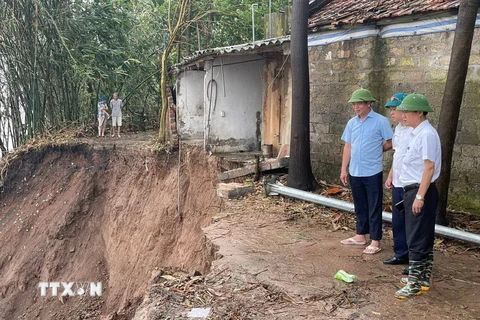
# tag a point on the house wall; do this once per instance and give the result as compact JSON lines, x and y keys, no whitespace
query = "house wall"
{"x":385,"y":66}
{"x":190,"y":104}
{"x":233,"y":108}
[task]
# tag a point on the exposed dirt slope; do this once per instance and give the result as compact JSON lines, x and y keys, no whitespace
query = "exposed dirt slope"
{"x":279,"y":257}
{"x":110,"y":210}
{"x":75,"y":213}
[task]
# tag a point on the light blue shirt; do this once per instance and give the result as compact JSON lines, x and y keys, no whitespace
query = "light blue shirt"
{"x":366,"y":138}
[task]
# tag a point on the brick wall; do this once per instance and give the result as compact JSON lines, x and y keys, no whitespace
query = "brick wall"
{"x":386,"y":66}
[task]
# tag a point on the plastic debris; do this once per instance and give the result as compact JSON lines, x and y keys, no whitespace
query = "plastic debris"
{"x":198,"y":313}
{"x":168,"y":277}
{"x":342,"y":275}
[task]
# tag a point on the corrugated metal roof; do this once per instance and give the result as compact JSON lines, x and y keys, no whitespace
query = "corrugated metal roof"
{"x":341,"y":12}
{"x":252,"y":46}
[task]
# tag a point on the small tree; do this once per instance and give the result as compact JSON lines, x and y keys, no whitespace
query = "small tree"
{"x":177,"y":24}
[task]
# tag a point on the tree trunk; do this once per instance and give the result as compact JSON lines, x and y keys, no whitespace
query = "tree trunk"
{"x":188,"y":32}
{"x":175,"y":35}
{"x":300,"y":174}
{"x":162,"y":134}
{"x":179,"y":51}
{"x":452,"y":97}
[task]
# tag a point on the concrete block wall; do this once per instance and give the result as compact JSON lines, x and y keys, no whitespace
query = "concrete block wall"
{"x":385,"y":66}
{"x":336,"y":70}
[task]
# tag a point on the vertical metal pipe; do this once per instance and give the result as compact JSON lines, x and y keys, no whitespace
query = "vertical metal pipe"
{"x":269,"y":19}
{"x":253,"y":20}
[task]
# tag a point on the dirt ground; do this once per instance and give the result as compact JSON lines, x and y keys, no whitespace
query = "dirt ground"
{"x":294,"y":248}
{"x":120,"y":211}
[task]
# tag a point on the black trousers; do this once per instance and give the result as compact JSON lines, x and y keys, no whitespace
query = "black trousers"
{"x":367,"y":193}
{"x":400,"y":246}
{"x":420,"y":228}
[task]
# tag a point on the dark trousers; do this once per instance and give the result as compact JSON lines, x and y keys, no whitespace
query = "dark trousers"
{"x":420,"y":227}
{"x":398,"y":226}
{"x":367,"y":195}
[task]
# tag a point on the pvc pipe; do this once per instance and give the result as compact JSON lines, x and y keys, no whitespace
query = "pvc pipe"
{"x":253,"y":20}
{"x":269,"y":19}
{"x":277,"y":188}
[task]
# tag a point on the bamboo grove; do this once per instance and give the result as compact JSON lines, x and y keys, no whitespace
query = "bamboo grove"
{"x":58,"y":56}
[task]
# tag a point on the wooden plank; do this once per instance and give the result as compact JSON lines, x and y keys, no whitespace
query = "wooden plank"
{"x":270,"y":164}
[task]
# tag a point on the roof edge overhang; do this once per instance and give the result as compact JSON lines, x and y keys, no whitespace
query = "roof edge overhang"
{"x":258,"y":47}
{"x":337,"y":25}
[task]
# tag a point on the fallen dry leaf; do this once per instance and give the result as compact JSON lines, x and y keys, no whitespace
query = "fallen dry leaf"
{"x":334,"y":190}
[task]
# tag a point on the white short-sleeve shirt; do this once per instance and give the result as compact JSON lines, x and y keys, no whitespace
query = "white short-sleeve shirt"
{"x":400,"y":140}
{"x":116,"y":106}
{"x":424,"y":145}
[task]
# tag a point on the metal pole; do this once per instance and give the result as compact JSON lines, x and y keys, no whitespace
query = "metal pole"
{"x":277,"y":188}
{"x":269,"y":19}
{"x":253,"y":21}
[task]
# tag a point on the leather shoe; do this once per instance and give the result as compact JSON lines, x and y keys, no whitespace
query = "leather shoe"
{"x":396,"y":260}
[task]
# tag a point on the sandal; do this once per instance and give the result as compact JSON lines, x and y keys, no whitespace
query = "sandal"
{"x":372,"y":250}
{"x":353,"y":242}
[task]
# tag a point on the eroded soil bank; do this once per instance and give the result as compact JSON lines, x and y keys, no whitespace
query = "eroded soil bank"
{"x":80,"y":212}
{"x":278,"y":261}
{"x":161,"y":242}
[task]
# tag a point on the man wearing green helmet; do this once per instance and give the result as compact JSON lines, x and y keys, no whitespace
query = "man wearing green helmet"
{"x":420,"y":168}
{"x":401,"y":137}
{"x":366,"y":136}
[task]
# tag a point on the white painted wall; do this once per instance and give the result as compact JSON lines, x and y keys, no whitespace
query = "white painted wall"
{"x":236,"y":96}
{"x":190,"y":104}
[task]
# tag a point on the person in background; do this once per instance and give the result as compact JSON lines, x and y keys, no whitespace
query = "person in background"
{"x":366,"y":136}
{"x":116,"y":106}
{"x":400,"y":140}
{"x":420,"y":168}
{"x":102,"y":115}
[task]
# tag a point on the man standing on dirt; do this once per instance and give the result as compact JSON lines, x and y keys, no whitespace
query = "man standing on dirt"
{"x":102,"y":115}
{"x":366,"y":136}
{"x":420,"y":168}
{"x":400,"y":140}
{"x":116,"y":106}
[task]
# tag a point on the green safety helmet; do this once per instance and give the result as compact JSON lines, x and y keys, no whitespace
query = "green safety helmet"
{"x":361,"y":95}
{"x":415,"y":102}
{"x":395,"y":100}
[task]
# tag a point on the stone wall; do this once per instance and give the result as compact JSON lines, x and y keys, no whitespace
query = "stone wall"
{"x":386,"y":66}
